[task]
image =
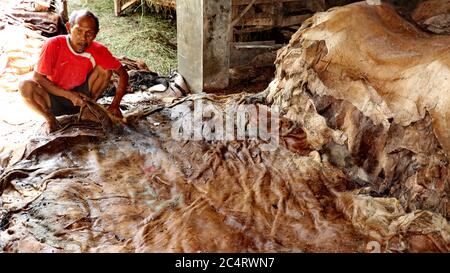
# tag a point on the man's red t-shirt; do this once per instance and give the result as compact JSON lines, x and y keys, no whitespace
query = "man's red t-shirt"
{"x":69,"y":69}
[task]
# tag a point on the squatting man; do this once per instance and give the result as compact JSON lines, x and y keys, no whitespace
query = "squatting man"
{"x":72,"y":69}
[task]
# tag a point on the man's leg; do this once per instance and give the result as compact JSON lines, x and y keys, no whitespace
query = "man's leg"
{"x":38,"y":99}
{"x":98,"y":81}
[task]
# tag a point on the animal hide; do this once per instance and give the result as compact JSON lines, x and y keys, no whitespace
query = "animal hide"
{"x":434,"y":15}
{"x":373,"y":100}
{"x":19,"y":52}
{"x":22,"y":34}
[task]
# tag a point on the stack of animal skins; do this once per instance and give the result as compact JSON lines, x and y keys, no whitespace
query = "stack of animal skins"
{"x":373,"y":99}
{"x":23,"y":31}
{"x":433,"y":15}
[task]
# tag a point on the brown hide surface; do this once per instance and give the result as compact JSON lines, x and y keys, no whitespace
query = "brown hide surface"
{"x":373,"y":98}
{"x":433,"y":15}
{"x":22,"y":31}
{"x":142,"y":191}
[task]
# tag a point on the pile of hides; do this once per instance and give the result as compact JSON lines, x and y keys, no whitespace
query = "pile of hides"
{"x":373,"y":99}
{"x":149,"y":84}
{"x":81,"y":190}
{"x":434,"y":15}
{"x":361,"y":164}
{"x":39,"y":16}
{"x":19,"y":52}
{"x":23,"y":31}
{"x":129,"y":65}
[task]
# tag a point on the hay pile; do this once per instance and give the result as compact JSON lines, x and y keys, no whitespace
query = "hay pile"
{"x":162,"y":5}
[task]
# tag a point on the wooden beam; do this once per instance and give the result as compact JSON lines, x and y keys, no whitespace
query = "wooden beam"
{"x":267,"y":47}
{"x":285,"y":21}
{"x":121,"y":5}
{"x":239,"y":44}
{"x":258,"y":22}
{"x":252,"y":29}
{"x":243,"y":53}
{"x":294,"y":20}
{"x":129,"y":4}
{"x":117,"y":7}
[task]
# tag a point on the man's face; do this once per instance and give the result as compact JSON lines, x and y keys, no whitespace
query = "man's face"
{"x":82,"y":33}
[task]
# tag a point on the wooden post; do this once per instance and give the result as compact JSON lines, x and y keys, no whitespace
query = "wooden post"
{"x":117,"y":4}
{"x":203,"y":43}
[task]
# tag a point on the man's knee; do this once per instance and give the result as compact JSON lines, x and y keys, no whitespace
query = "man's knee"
{"x":101,"y":73}
{"x":26,"y":88}
{"x":108,"y":75}
{"x":104,"y":75}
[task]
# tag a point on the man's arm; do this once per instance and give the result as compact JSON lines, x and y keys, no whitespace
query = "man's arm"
{"x":77,"y":99}
{"x":120,"y":92}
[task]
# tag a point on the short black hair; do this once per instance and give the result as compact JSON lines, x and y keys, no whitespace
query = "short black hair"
{"x":80,"y":13}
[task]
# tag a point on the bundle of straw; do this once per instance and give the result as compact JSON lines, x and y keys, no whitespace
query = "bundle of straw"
{"x":162,"y":5}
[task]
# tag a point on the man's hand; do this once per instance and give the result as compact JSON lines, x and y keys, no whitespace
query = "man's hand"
{"x":78,"y":99}
{"x":115,"y":110}
{"x":120,"y":92}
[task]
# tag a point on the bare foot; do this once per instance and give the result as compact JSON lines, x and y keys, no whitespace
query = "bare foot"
{"x":51,"y":126}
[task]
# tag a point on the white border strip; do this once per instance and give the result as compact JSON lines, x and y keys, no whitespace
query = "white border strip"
{"x":84,"y":54}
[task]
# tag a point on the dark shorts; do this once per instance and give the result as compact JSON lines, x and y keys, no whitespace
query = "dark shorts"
{"x":61,"y":106}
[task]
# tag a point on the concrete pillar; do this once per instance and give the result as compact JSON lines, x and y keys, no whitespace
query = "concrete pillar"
{"x":203,"y":43}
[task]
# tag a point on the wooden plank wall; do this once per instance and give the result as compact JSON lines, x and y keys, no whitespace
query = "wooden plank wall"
{"x":268,"y":14}
{"x":253,"y":16}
